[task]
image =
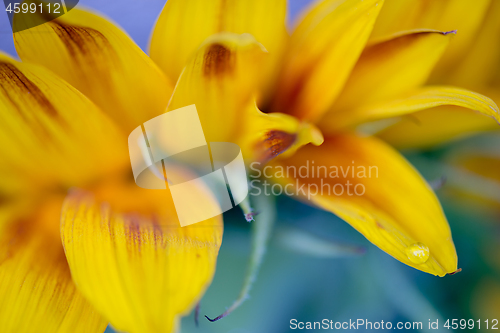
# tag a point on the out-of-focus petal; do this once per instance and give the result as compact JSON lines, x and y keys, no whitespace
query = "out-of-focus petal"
{"x":184,"y":25}
{"x":37,"y":293}
{"x":373,"y":188}
{"x":484,"y":300}
{"x":421,"y":99}
{"x":321,"y":54}
{"x":445,"y":15}
{"x":480,"y":65}
{"x":101,"y":61}
{"x":133,"y":261}
{"x":437,"y":125}
{"x":472,"y":169}
{"x":51,"y":134}
{"x":387,"y":69}
{"x":221,"y":80}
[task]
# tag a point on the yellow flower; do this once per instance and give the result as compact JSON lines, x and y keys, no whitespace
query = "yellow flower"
{"x":83,"y":86}
{"x":329,"y":78}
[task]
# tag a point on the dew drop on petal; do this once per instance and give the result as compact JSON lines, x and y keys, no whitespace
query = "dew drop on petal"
{"x":418,"y":253}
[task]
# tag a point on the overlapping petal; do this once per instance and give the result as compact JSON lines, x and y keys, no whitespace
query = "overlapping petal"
{"x":387,"y":200}
{"x":101,"y":61}
{"x":221,"y":80}
{"x":184,"y":25}
{"x":462,"y":15}
{"x":321,"y":54}
{"x":52,"y":135}
{"x":37,"y":293}
{"x":386,"y":69}
{"x":133,"y":261}
{"x":422,"y":99}
{"x":441,"y":124}
{"x":479,"y":65}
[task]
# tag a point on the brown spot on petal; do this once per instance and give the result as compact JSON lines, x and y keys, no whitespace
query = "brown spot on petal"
{"x":218,"y":61}
{"x":275,"y":143}
{"x":17,"y":87}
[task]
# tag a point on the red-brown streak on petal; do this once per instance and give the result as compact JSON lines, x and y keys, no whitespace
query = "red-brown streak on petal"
{"x":13,"y":82}
{"x":87,"y":45}
{"x":79,"y":38}
{"x":133,"y":230}
{"x":218,"y":61}
{"x":275,"y":143}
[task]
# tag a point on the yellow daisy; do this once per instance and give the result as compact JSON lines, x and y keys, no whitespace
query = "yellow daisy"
{"x":74,"y":260}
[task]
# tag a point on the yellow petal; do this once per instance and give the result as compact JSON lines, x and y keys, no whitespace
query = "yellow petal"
{"x":36,"y":289}
{"x":322,"y":52}
{"x":101,"y":61}
{"x":374,"y":189}
{"x":422,"y":99}
{"x":480,"y":65}
{"x":445,"y":15}
{"x":437,"y":125}
{"x":386,"y":69}
{"x":51,"y":134}
{"x":133,"y":261}
{"x":184,"y":25}
{"x":221,"y":80}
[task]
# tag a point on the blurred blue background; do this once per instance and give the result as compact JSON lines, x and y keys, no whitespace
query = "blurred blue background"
{"x":291,"y":285}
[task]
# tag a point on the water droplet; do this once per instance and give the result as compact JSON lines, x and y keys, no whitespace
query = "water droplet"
{"x":418,"y":253}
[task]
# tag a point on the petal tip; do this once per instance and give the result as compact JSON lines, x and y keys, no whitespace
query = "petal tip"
{"x":455,"y":272}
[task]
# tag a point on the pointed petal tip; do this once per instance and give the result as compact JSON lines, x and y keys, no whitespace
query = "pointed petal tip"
{"x":455,"y":272}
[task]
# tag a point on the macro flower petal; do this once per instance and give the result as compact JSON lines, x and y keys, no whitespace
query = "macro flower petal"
{"x":445,"y":15}
{"x":36,"y":289}
{"x":221,"y":80}
{"x":479,"y":65}
{"x":373,"y":188}
{"x":100,"y":60}
{"x":321,"y":53}
{"x":184,"y":25}
{"x":386,"y":69}
{"x":422,"y":99}
{"x":437,"y":125}
{"x":52,"y":135}
{"x":133,"y":261}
